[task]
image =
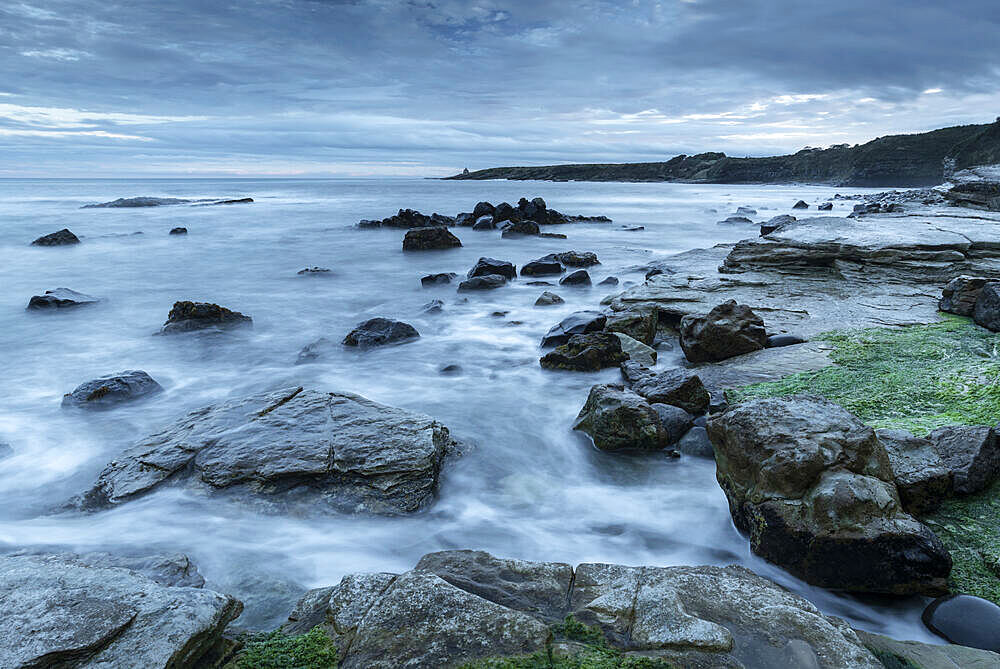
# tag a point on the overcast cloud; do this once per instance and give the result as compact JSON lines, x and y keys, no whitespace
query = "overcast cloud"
{"x":340,"y":87}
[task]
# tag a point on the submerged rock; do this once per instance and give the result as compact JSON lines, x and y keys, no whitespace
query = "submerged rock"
{"x":289,"y":449}
{"x":65,"y":611}
{"x":437,"y":279}
{"x":812,"y":487}
{"x":59,"y":238}
{"x":728,"y":330}
{"x":547,"y":299}
{"x":379,"y":332}
{"x":188,"y":316}
{"x":578,"y":322}
{"x":315,"y":350}
{"x":586,"y":353}
{"x":618,"y":419}
{"x":960,"y":295}
{"x":428,"y":239}
{"x":112,"y":390}
{"x":61,"y":298}
{"x":487,"y":266}
{"x":315,"y":271}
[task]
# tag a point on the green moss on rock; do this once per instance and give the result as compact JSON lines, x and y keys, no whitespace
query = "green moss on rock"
{"x":312,"y":650}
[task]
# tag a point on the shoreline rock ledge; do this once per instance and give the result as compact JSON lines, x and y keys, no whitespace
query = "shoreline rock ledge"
{"x":289,"y":449}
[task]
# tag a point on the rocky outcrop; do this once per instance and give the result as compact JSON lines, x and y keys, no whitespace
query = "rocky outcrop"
{"x":110,"y":391}
{"x":67,"y":611}
{"x":135,"y":202}
{"x":971,"y":453}
{"x":987,"y":309}
{"x":678,"y":387}
{"x":812,"y":487}
{"x":960,"y":294}
{"x":618,"y":419}
{"x":189,"y":316}
{"x":404,"y":218}
{"x":921,"y":476}
{"x":459,"y":606}
{"x":976,"y":194}
{"x":289,"y":449}
{"x":487,"y":266}
{"x":586,"y":353}
{"x":379,"y":332}
{"x":61,"y":298}
{"x":728,"y":330}
{"x":429,"y":239}
{"x":60,"y":238}
{"x":579,"y":322}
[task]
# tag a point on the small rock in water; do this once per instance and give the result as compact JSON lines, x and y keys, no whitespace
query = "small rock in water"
{"x":965,"y":620}
{"x":609,"y":281}
{"x":182,"y":231}
{"x":451,"y":369}
{"x":379,"y":332}
{"x":484,"y":223}
{"x":635,"y":228}
{"x":578,"y":278}
{"x":552,"y":235}
{"x":499,"y":314}
{"x":488,"y":282}
{"x":315,"y":271}
{"x":735,"y":219}
{"x":188,"y":316}
{"x":428,"y":239}
{"x":59,"y":238}
{"x":801,"y":204}
{"x":826,"y":206}
{"x":487,"y":266}
{"x":437,"y":279}
{"x":779,"y":340}
{"x":433,"y":307}
{"x":544,"y":266}
{"x":108,"y":391}
{"x":547,"y":299}
{"x":60,"y":298}
{"x":576,"y":258}
{"x":579,"y":322}
{"x":538,"y":283}
{"x":746,"y":211}
{"x":482,"y":209}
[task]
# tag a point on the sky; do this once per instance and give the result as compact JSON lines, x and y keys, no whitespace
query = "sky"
{"x":150,"y":88}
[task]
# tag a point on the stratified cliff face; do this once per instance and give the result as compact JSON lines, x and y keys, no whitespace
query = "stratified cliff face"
{"x":895,"y":160}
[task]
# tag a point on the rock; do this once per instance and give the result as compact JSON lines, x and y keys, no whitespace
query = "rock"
{"x":178,"y":231}
{"x":450,"y":369}
{"x":548,"y":299}
{"x":825,"y":206}
{"x":609,"y":281}
{"x":6,"y":450}
{"x":315,"y":350}
{"x":928,"y":656}
{"x":538,"y":283}
{"x":586,"y":353}
{"x":779,"y":340}
{"x":812,"y":487}
{"x":110,"y":391}
{"x":465,"y":219}
{"x":728,"y":330}
{"x":578,"y":322}
{"x":921,"y":477}
{"x":61,"y":298}
{"x":437,"y":279}
{"x":487,"y":266}
{"x":441,"y":219}
{"x":636,"y":350}
{"x":134,"y":202}
{"x":289,"y":449}
{"x":577,"y":278}
{"x":987,"y":309}
{"x":552,"y":235}
{"x":695,"y":443}
{"x":544,"y":266}
{"x":971,"y":453}
{"x":637,"y":323}
{"x":746,"y":211}
{"x":960,"y":295}
{"x":505,"y":212}
{"x":433,"y":307}
{"x":488,"y":282}
{"x":801,"y":204}
{"x":980,"y":194}
{"x":61,"y":612}
{"x":315,"y":271}
{"x":428,"y":239}
{"x":379,"y":332}
{"x":519,"y":229}
{"x":576,"y":258}
{"x":776,"y":223}
{"x":404,"y":218}
{"x":634,"y":228}
{"x":965,"y":620}
{"x":679,"y":387}
{"x":483,"y":209}
{"x":484,"y":223}
{"x":675,"y":421}
{"x":189,"y":316}
{"x":735,"y":219}
{"x":618,"y":419}
{"x":60,"y":238}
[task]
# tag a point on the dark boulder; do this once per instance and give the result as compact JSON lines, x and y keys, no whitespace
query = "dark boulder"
{"x":576,"y":258}
{"x":987,"y":310}
{"x":812,"y":487}
{"x":638,"y":323}
{"x":965,"y":620}
{"x":675,"y":421}
{"x":618,"y":419}
{"x":971,"y":453}
{"x":736,"y":220}
{"x":487,"y":266}
{"x":60,"y":238}
{"x":60,"y":298}
{"x":482,"y":209}
{"x":404,"y":218}
{"x":696,"y":443}
{"x":544,"y":266}
{"x":441,"y":219}
{"x":586,"y":353}
{"x":178,"y":231}
{"x":379,"y":332}
{"x":505,"y":212}
{"x":109,"y":391}
{"x":921,"y":477}
{"x":728,"y":330}
{"x":960,"y":294}
{"x":678,"y":387}
{"x":437,"y":279}
{"x":187,"y":316}
{"x":577,"y":278}
{"x":487,"y":282}
{"x":547,"y":299}
{"x":579,"y":322}
{"x":315,"y":271}
{"x":779,"y":340}
{"x":826,"y":206}
{"x":425,"y":239}
{"x":801,"y":204}
{"x":465,"y":219}
{"x":609,"y":281}
{"x":776,"y":223}
{"x":484,"y":223}
{"x":518,"y":229}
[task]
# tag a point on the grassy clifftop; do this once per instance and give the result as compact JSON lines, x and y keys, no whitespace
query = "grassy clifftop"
{"x":895,"y":160}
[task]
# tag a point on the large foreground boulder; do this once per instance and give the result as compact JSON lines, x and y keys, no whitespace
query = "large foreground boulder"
{"x":457,"y":607}
{"x":61,"y":298}
{"x":813,"y":488}
{"x":109,"y":391}
{"x":728,"y":330}
{"x":290,"y":448}
{"x":67,"y":611}
{"x":618,"y":419}
{"x":379,"y":332}
{"x":428,"y":239}
{"x":189,"y":316}
{"x":60,"y":238}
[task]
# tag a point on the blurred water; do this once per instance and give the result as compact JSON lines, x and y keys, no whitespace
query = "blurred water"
{"x":531,"y":488}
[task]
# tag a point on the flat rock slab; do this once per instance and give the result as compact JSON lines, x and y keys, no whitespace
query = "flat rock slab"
{"x":62,"y":611}
{"x":290,"y":448}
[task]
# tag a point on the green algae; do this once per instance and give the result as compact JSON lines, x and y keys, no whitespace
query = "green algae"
{"x":312,"y":650}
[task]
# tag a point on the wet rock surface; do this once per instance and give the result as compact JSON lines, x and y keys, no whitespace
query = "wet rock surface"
{"x":618,"y":419}
{"x":178,"y":231}
{"x":547,"y":299}
{"x":579,"y":322}
{"x":965,"y":620}
{"x":61,"y":298}
{"x":289,"y":449}
{"x":437,"y":279}
{"x":544,"y":266}
{"x":987,"y":309}
{"x":971,"y":453}
{"x":960,"y":294}
{"x":679,"y":387}
{"x":59,"y":238}
{"x":487,"y":266}
{"x":586,"y":353}
{"x":430,"y":239}
{"x":921,"y":476}
{"x":728,"y":330}
{"x":578,"y":278}
{"x":380,"y":332}
{"x":486,"y":282}
{"x":190,"y":316}
{"x":109,"y":391}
